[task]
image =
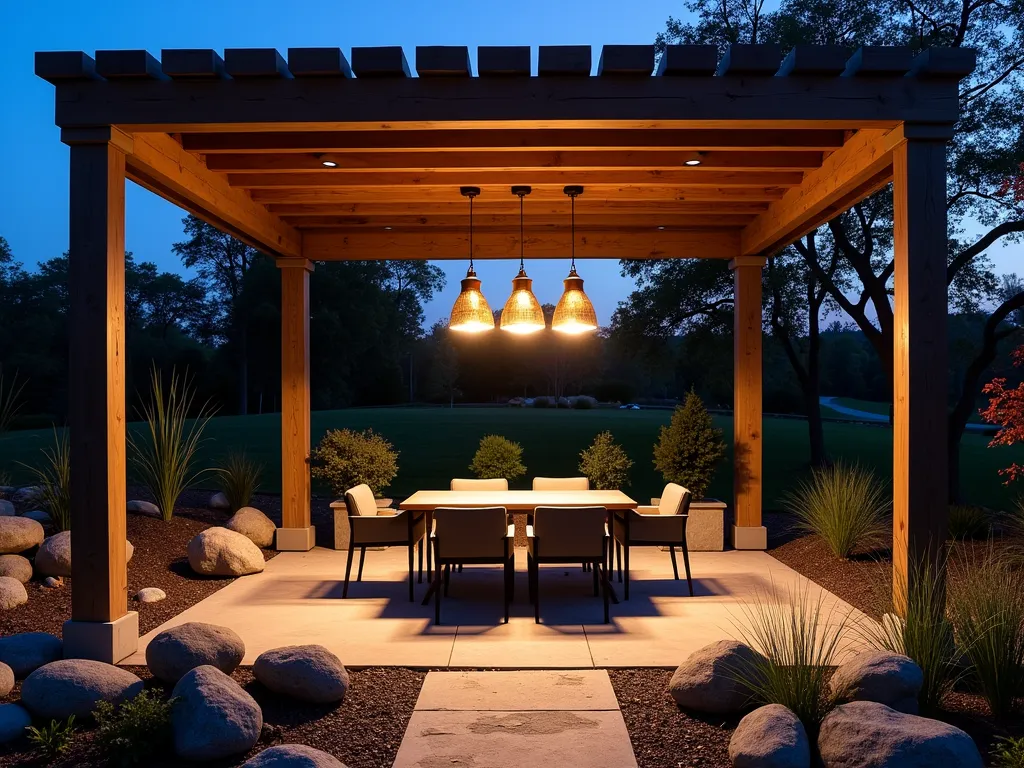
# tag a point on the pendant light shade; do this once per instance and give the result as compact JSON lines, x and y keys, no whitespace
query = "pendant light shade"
{"x":522,"y":313}
{"x":471,"y":313}
{"x":575,"y":313}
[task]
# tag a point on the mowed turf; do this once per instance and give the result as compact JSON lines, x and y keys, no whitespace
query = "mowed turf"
{"x":437,"y":444}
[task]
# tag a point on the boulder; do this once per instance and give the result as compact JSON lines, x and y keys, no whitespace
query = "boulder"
{"x":770,"y":737}
{"x":27,"y":495}
{"x":179,"y":649}
{"x":12,"y":593}
{"x":18,"y":534}
{"x":254,"y":525}
{"x":219,"y":501}
{"x":144,"y":508}
{"x":150,"y":595}
{"x":6,"y":508}
{"x":6,"y":491}
{"x":53,"y":582}
{"x":220,"y":552}
{"x":27,"y":651}
{"x":306,"y":672}
{"x":40,"y":516}
{"x":14,"y":719}
{"x":74,"y":686}
{"x":213,"y":717}
{"x":866,"y":734}
{"x":16,"y":566}
{"x":6,"y":679}
{"x":293,"y":756}
{"x":706,"y":681}
{"x":54,"y":555}
{"x":888,"y":678}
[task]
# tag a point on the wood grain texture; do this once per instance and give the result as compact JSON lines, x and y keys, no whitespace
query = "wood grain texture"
{"x":519,"y":501}
{"x":485,"y":207}
{"x":747,"y":389}
{"x":295,"y":404}
{"x":96,"y":414}
{"x":920,"y":372}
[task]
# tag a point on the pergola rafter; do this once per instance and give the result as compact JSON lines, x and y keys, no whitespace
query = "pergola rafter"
{"x":783,"y":145}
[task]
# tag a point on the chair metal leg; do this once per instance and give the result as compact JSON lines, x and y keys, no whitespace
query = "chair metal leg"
{"x":362,"y":559}
{"x":420,"y":566}
{"x":627,"y":570}
{"x":412,"y":575}
{"x":536,"y":592}
{"x":618,"y":554}
{"x":686,"y":565}
{"x":529,"y":578}
{"x":348,"y":570}
{"x":460,"y":567}
{"x":508,"y":586}
{"x":675,"y":567}
{"x":447,"y":577}
{"x":594,"y":568}
{"x":607,"y":587}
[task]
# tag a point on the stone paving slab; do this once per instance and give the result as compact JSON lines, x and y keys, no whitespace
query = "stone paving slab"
{"x":577,"y":689}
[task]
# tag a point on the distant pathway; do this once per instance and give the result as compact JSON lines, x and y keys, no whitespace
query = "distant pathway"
{"x":878,"y":417}
{"x":563,"y":719}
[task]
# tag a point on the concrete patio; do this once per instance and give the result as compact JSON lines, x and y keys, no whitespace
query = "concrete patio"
{"x":297,"y":599}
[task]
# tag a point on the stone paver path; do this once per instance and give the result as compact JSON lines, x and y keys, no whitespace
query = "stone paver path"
{"x":524,"y":719}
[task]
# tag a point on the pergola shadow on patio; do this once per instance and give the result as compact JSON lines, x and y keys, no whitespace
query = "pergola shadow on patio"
{"x":298,"y":599}
{"x":240,"y":141}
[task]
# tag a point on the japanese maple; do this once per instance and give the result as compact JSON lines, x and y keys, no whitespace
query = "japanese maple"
{"x":1006,"y":409}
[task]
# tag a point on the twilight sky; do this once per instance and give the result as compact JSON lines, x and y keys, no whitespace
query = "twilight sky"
{"x":34,"y":188}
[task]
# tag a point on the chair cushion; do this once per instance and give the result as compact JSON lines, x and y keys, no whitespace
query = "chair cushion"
{"x":471,"y":533}
{"x":675,"y":500}
{"x":660,"y":529}
{"x":561,"y":484}
{"x":360,"y":501}
{"x":572,"y":533}
{"x":470,"y":484}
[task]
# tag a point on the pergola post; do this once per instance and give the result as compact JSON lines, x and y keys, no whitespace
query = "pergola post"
{"x":920,"y":308}
{"x":101,"y":627}
{"x":296,"y":533}
{"x":747,"y":532}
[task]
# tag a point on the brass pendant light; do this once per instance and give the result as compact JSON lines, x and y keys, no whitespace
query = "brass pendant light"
{"x":575,"y":313}
{"x":522,"y":313}
{"x":471,"y":313}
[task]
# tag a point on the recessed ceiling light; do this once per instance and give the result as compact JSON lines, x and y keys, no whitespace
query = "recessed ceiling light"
{"x":327,"y":162}
{"x":693,"y":159}
{"x":387,"y":228}
{"x":662,"y":226}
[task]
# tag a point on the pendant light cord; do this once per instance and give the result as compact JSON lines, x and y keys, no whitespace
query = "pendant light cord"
{"x":522,"y":267}
{"x":471,"y":233}
{"x":573,"y":230}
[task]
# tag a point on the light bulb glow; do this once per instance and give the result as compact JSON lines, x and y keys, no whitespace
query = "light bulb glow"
{"x":471,"y":313}
{"x":575,"y":313}
{"x":522,"y":314}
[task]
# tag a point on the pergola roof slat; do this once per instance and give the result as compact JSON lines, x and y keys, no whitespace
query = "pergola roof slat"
{"x":879,"y":61}
{"x":202,"y":63}
{"x":626,"y":60}
{"x":58,"y":66}
{"x":380,"y":61}
{"x":951,"y":63}
{"x":318,"y":62}
{"x":128,"y":64}
{"x":443,"y":61}
{"x":688,"y":60}
{"x":255,"y":62}
{"x":746,"y":59}
{"x":815,"y":60}
{"x":503,"y":60}
{"x":564,"y":60}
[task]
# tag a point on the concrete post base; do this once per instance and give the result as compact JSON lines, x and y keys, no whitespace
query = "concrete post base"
{"x":755,"y":537}
{"x":296,"y":539}
{"x":107,"y":641}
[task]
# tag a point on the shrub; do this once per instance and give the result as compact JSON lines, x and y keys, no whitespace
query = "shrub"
{"x":239,"y":479}
{"x":800,"y":644}
{"x":584,"y":403}
{"x":690,"y":448}
{"x":563,"y":402}
{"x":605,"y":463}
{"x":137,"y":729}
{"x":967,"y":522}
{"x":987,"y":609}
{"x":52,"y":740}
{"x":917,"y":626}
{"x":498,"y":457}
{"x":345,"y":458}
{"x":54,"y":480}
{"x":843,"y":504}
{"x":543,"y":402}
{"x":10,"y":399}
{"x":165,"y":460}
{"x":1008,"y":753}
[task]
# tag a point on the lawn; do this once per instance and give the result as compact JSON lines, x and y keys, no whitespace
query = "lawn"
{"x":437,"y":444}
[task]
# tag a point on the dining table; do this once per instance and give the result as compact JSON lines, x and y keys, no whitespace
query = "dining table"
{"x":512,"y":501}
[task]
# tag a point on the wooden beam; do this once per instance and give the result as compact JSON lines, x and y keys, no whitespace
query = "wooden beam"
{"x":447,"y":193}
{"x":331,"y":245}
{"x":503,"y":205}
{"x":601,"y":179}
{"x":563,"y":60}
{"x":96,"y":413}
{"x":688,"y":60}
{"x":580,"y":160}
{"x":920,"y":308}
{"x":518,"y":139}
{"x":295,"y":532}
{"x":318,"y":62}
{"x":195,"y":63}
{"x":161,"y":165}
{"x":853,"y":172}
{"x":503,"y":60}
{"x":443,"y":61}
{"x":747,"y":59}
{"x":510,"y":221}
{"x":748,"y":532}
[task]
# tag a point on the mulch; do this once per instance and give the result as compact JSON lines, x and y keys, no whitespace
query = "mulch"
{"x":663,"y":735}
{"x":364,"y":731}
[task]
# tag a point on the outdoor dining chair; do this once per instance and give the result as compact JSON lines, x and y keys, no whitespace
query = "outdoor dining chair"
{"x":371,"y":528}
{"x":562,"y":535}
{"x":472,"y":484}
{"x":661,"y":526}
{"x":483,"y":536}
{"x":559,"y":484}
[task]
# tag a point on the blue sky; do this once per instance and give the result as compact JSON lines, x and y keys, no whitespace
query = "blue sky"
{"x":34,"y":191}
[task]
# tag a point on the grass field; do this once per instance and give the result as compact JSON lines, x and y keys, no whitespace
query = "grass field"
{"x":437,"y":444}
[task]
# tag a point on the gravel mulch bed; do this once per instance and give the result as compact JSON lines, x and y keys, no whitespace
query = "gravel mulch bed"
{"x":364,"y":731}
{"x":663,"y":735}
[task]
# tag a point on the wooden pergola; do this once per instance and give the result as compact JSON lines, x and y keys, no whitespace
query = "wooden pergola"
{"x":784,"y":145}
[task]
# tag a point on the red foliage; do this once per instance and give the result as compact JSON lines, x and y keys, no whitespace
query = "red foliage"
{"x":1006,"y":408}
{"x":1013,"y":186}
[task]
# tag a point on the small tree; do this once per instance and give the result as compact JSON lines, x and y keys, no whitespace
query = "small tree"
{"x":345,"y":458}
{"x":1006,"y":409}
{"x":690,"y":448}
{"x":498,"y":457}
{"x":605,"y":463}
